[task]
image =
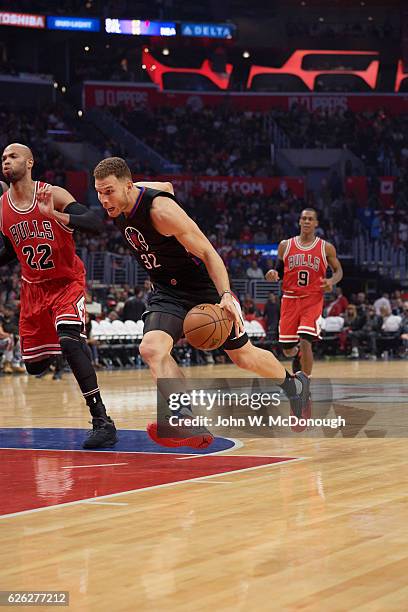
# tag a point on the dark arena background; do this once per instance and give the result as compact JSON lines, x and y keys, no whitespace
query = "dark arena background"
{"x":255,"y":112}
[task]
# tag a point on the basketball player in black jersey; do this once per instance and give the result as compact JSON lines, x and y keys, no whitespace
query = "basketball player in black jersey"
{"x":185,"y":270}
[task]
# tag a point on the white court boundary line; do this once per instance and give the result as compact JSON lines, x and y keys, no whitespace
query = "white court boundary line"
{"x":88,"y":465}
{"x":153,"y":487}
{"x":237,"y":444}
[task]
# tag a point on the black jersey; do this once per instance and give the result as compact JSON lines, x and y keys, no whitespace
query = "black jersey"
{"x":165,"y":259}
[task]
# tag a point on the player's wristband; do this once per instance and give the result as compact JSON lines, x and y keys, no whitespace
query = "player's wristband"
{"x":224,"y":292}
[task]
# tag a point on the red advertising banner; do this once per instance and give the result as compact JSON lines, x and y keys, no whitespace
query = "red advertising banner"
{"x":387,"y":190}
{"x":98,"y":93}
{"x":77,"y":183}
{"x":356,"y":188}
{"x":246,"y":186}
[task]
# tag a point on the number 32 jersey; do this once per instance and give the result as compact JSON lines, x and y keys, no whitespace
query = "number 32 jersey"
{"x":44,"y":247}
{"x":304,"y":267}
{"x":164,"y":258}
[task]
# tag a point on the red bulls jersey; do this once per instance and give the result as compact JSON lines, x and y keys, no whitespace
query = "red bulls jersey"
{"x":305,"y":266}
{"x":44,"y":247}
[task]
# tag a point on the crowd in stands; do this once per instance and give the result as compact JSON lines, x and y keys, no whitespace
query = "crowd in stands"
{"x":37,"y":128}
{"x":210,"y":141}
{"x":224,"y":141}
{"x":377,"y":138}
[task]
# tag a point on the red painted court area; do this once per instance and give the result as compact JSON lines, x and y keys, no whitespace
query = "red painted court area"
{"x":31,"y":479}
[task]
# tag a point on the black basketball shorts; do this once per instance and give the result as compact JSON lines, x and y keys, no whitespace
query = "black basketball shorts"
{"x":176,"y":304}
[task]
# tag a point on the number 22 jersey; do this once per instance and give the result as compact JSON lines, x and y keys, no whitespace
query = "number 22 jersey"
{"x":44,"y":247}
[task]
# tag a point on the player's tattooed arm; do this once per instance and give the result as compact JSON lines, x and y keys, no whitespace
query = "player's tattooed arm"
{"x":156,"y":185}
{"x":57,"y":203}
{"x":331,"y":256}
{"x":274,"y":275}
{"x":170,"y":219}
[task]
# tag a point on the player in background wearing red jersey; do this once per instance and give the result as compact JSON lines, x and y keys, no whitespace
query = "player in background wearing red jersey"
{"x":37,"y":221}
{"x":304,"y":260}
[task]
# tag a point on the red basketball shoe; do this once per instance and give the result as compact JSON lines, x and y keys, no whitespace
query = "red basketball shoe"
{"x":195,"y":437}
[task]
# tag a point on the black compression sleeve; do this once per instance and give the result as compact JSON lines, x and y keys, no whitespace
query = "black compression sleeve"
{"x":81,"y":218}
{"x":7,"y":253}
{"x":279,"y":267}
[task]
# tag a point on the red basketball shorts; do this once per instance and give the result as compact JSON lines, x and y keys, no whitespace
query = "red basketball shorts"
{"x":45,"y":306}
{"x":299,"y":315}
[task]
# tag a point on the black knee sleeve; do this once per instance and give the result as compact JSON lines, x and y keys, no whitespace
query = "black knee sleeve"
{"x":308,"y":337}
{"x":71,"y":340}
{"x":76,"y":352}
{"x":37,"y":367}
{"x":288,"y":345}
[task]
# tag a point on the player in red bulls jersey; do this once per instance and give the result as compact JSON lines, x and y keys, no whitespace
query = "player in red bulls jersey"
{"x":37,"y":221}
{"x":304,"y":260}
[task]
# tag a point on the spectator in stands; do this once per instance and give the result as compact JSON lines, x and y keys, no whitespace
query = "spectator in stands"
{"x":361,"y":302}
{"x":397,"y":304}
{"x":113,"y":316}
{"x":9,"y":342}
{"x":92,"y":306}
{"x":146,"y":291}
{"x":389,"y":338}
{"x":404,"y":330}
{"x":249,"y":308}
{"x":339,"y":304}
{"x":271,"y":314}
{"x":368,"y":333}
{"x":353,"y":321}
{"x":246,"y":234}
{"x":382,"y":302}
{"x":134,"y":306}
{"x":254,"y":272}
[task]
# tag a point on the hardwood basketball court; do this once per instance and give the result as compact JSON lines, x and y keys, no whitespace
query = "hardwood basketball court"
{"x":271,"y":524}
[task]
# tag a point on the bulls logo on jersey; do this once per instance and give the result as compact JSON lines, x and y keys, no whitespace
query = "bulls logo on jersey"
{"x":136,"y":239}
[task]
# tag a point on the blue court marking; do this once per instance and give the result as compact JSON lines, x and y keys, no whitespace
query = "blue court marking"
{"x":130,"y":441}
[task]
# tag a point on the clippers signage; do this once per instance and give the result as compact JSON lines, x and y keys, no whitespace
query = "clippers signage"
{"x":82,"y":24}
{"x":136,"y":27}
{"x":294,"y":66}
{"x":207,"y":30}
{"x":22,"y":20}
{"x":100,"y":93}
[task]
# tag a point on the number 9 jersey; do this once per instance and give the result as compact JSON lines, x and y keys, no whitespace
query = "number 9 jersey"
{"x":302,"y":299}
{"x":304,"y":267}
{"x":44,"y":247}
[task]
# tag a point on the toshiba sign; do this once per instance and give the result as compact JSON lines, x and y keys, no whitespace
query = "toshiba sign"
{"x":22,"y":20}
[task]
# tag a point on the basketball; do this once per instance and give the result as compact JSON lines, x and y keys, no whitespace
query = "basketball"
{"x":207,"y":327}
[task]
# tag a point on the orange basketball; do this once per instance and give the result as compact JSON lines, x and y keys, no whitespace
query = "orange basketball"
{"x":207,"y":327}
